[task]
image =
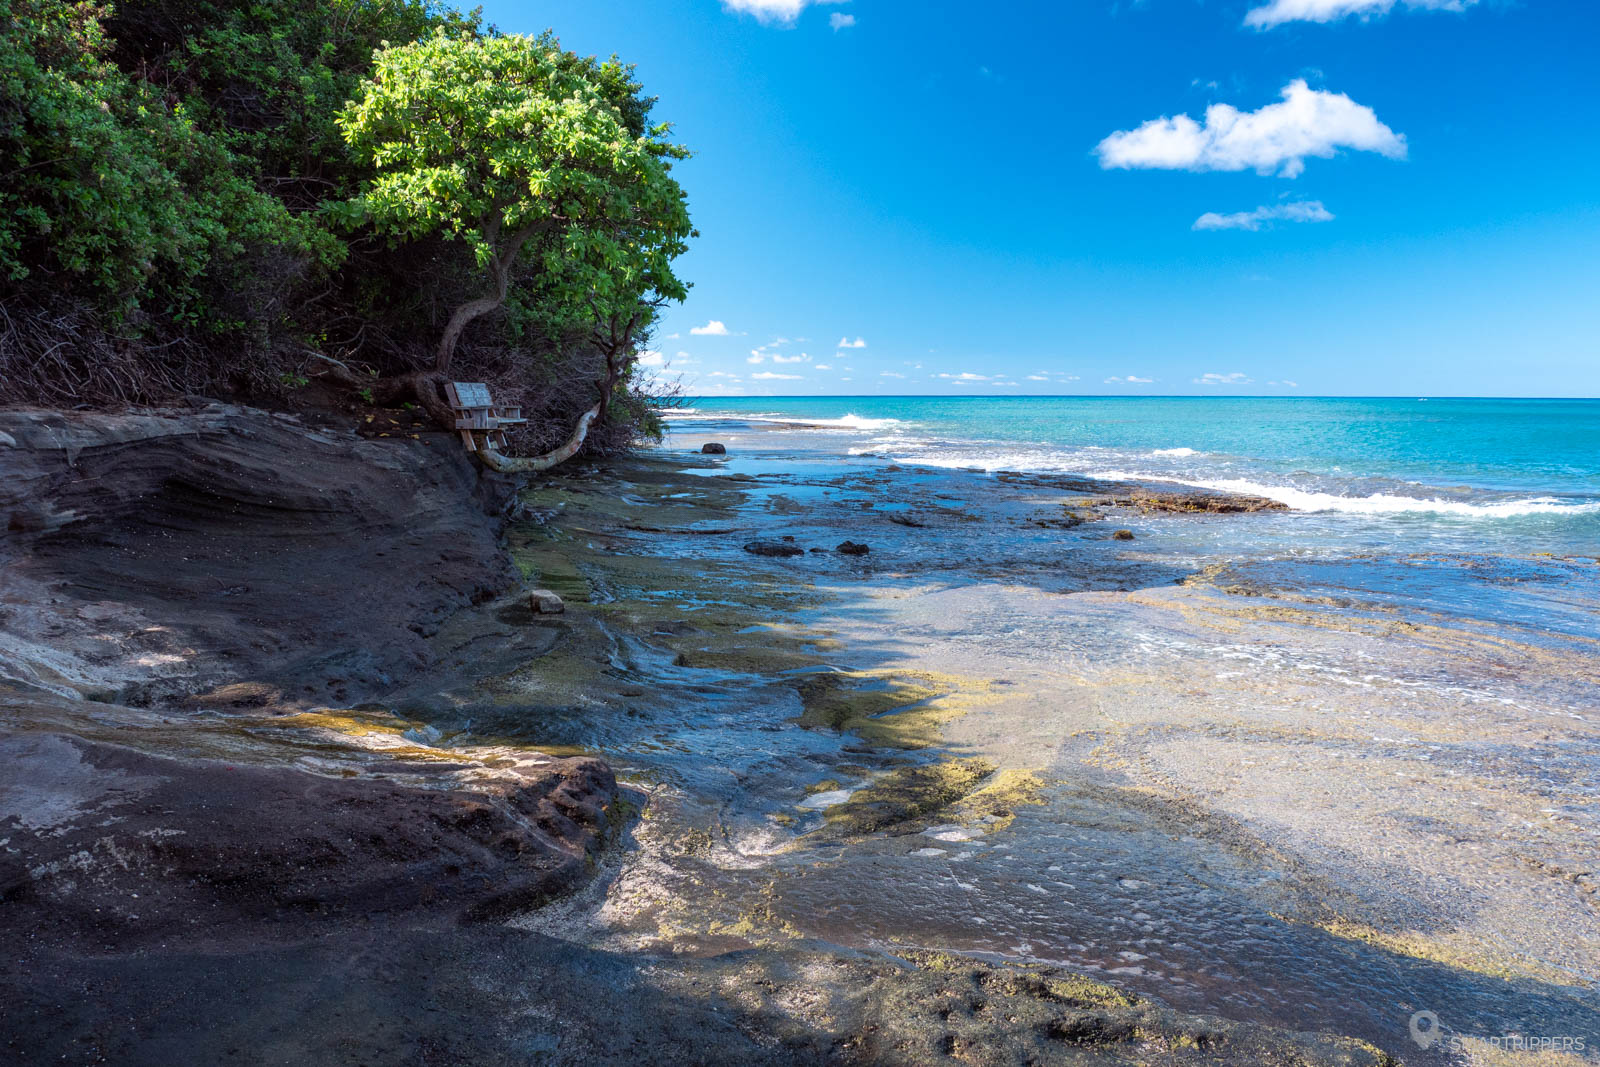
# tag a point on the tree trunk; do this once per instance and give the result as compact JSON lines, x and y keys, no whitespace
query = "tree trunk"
{"x":529,"y":464}
{"x":500,"y":274}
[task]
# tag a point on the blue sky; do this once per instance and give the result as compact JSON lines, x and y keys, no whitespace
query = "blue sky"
{"x":972,"y":192}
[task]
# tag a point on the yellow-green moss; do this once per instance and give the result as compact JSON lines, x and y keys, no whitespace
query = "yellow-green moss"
{"x":908,"y":794}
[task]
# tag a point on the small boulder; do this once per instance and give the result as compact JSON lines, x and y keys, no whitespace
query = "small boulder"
{"x":544,"y":602}
{"x":1122,"y":535}
{"x":773,"y":548}
{"x":852,"y":548}
{"x":714,"y":448}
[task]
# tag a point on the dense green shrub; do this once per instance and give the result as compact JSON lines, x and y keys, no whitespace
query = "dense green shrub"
{"x":181,"y":211}
{"x":109,"y":192}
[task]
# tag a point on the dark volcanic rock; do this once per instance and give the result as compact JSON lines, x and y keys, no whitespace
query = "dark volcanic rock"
{"x":168,"y":552}
{"x":1122,"y":535}
{"x":773,"y":548}
{"x":713,"y":448}
{"x":112,"y":848}
{"x":1190,"y":501}
{"x":853,"y":548}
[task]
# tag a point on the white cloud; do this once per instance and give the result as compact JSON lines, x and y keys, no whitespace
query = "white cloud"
{"x":770,"y":376}
{"x":1298,"y":211}
{"x":1132,"y":379}
{"x":1276,"y":138}
{"x":889,"y":374}
{"x":801,"y":358}
{"x":714,"y":328}
{"x":783,"y":12}
{"x":1277,"y":12}
{"x":841,"y":22}
{"x":1224,"y":379}
{"x":824,"y":366}
{"x":756,"y":357}
{"x":845,"y":342}
{"x":1037,"y":378}
{"x":724,"y":374}
{"x":966,"y":376}
{"x":650,"y":358}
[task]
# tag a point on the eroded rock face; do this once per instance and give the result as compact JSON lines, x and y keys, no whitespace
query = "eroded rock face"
{"x":151,"y":556}
{"x":112,"y":849}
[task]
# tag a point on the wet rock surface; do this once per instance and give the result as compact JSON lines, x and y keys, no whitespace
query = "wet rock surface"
{"x":488,"y":996}
{"x":773,"y":548}
{"x":1191,"y":501}
{"x":108,"y":849}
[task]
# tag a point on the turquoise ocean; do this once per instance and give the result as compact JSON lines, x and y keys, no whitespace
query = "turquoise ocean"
{"x":1484,"y":509}
{"x":1487,"y":474}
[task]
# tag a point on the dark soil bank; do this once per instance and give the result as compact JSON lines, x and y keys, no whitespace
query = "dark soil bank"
{"x":226,"y":544}
{"x":175,"y":582}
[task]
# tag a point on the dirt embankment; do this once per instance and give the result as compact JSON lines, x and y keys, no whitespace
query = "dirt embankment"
{"x":148,"y":557}
{"x":183,"y":595}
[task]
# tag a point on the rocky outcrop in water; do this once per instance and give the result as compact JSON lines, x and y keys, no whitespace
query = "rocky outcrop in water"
{"x":778,"y":549}
{"x":1191,"y":501}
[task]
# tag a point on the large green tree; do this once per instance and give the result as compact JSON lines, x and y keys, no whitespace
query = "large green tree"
{"x":544,"y":166}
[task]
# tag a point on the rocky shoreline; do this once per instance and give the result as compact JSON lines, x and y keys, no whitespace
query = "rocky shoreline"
{"x":267,"y":683}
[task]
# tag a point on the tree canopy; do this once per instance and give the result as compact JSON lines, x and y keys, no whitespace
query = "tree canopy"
{"x":230,"y":197}
{"x":506,"y":143}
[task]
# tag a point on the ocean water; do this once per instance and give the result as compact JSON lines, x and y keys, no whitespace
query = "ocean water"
{"x":1462,"y":475}
{"x":1389,"y":690}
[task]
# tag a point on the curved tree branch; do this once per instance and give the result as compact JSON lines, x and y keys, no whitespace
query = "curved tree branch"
{"x":529,"y":464}
{"x":500,"y":274}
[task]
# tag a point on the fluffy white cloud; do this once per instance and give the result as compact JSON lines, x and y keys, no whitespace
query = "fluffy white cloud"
{"x":1037,"y":378}
{"x":714,"y":328}
{"x":1132,"y":379}
{"x":845,"y":342}
{"x":824,"y":366}
{"x":1224,"y":379}
{"x":889,"y":374}
{"x":756,"y":357}
{"x":801,"y":358}
{"x":841,"y":22}
{"x":771,"y":376}
{"x":650,"y":358}
{"x":1299,"y":211}
{"x":783,"y":12}
{"x":1277,"y":12}
{"x":1276,"y":138}
{"x":966,"y":376}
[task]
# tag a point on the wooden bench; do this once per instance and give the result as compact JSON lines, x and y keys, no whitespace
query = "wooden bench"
{"x":476,"y":412}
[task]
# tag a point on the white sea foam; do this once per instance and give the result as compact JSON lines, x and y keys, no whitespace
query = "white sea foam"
{"x":849,"y":421}
{"x":1174,"y":452}
{"x":1373,"y":504}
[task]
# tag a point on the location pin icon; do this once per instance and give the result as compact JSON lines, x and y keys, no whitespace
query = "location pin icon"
{"x":1425,"y":1029}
